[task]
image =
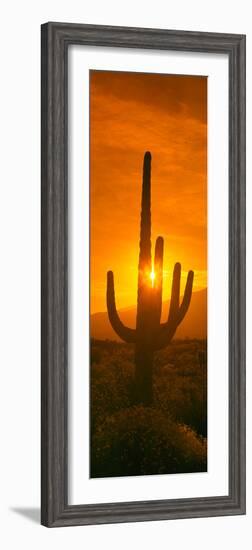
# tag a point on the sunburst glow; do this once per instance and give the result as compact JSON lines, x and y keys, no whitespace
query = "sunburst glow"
{"x":152,"y":277}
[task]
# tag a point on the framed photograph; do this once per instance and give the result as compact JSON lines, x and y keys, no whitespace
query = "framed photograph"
{"x":143,"y":274}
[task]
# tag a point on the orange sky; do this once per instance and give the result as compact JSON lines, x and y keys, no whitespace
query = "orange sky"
{"x":131,"y":113}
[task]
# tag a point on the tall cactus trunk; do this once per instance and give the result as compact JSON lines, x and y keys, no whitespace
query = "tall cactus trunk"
{"x":144,"y":316}
{"x":149,"y":335}
{"x":143,"y":393}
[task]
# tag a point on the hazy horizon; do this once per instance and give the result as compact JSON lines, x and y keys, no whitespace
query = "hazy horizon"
{"x":131,"y":306}
{"x":194,"y":325}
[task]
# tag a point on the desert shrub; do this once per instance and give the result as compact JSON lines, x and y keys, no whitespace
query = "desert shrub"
{"x":142,"y":440}
{"x":95,"y":355}
{"x":111,"y":388}
{"x":183,"y":396}
{"x":180,"y":384}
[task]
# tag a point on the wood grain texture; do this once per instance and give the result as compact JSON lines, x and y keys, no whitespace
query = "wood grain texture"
{"x":55,"y":39}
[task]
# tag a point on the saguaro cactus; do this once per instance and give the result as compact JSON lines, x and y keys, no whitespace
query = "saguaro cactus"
{"x":150,"y":334}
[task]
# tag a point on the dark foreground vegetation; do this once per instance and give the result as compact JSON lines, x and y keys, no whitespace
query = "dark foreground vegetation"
{"x":170,"y":436}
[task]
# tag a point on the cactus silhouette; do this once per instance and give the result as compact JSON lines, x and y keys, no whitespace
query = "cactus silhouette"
{"x":150,"y":334}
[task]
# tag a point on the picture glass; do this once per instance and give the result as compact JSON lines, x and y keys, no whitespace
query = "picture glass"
{"x":148,"y":273}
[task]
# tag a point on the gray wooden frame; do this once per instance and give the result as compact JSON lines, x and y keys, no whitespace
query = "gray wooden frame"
{"x":56,"y":37}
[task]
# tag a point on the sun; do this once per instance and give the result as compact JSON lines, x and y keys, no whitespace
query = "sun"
{"x":152,"y":277}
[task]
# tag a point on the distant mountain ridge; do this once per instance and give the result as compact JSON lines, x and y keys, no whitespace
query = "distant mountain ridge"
{"x":194,"y":324}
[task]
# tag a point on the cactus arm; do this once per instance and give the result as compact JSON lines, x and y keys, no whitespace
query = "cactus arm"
{"x":174,"y":303}
{"x":187,"y":297}
{"x":158,"y":281}
{"x":165,"y":335}
{"x":125,"y":333}
{"x":177,"y":312}
{"x":158,"y":262}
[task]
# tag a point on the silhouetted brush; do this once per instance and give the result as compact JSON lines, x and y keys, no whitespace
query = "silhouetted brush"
{"x":150,"y":334}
